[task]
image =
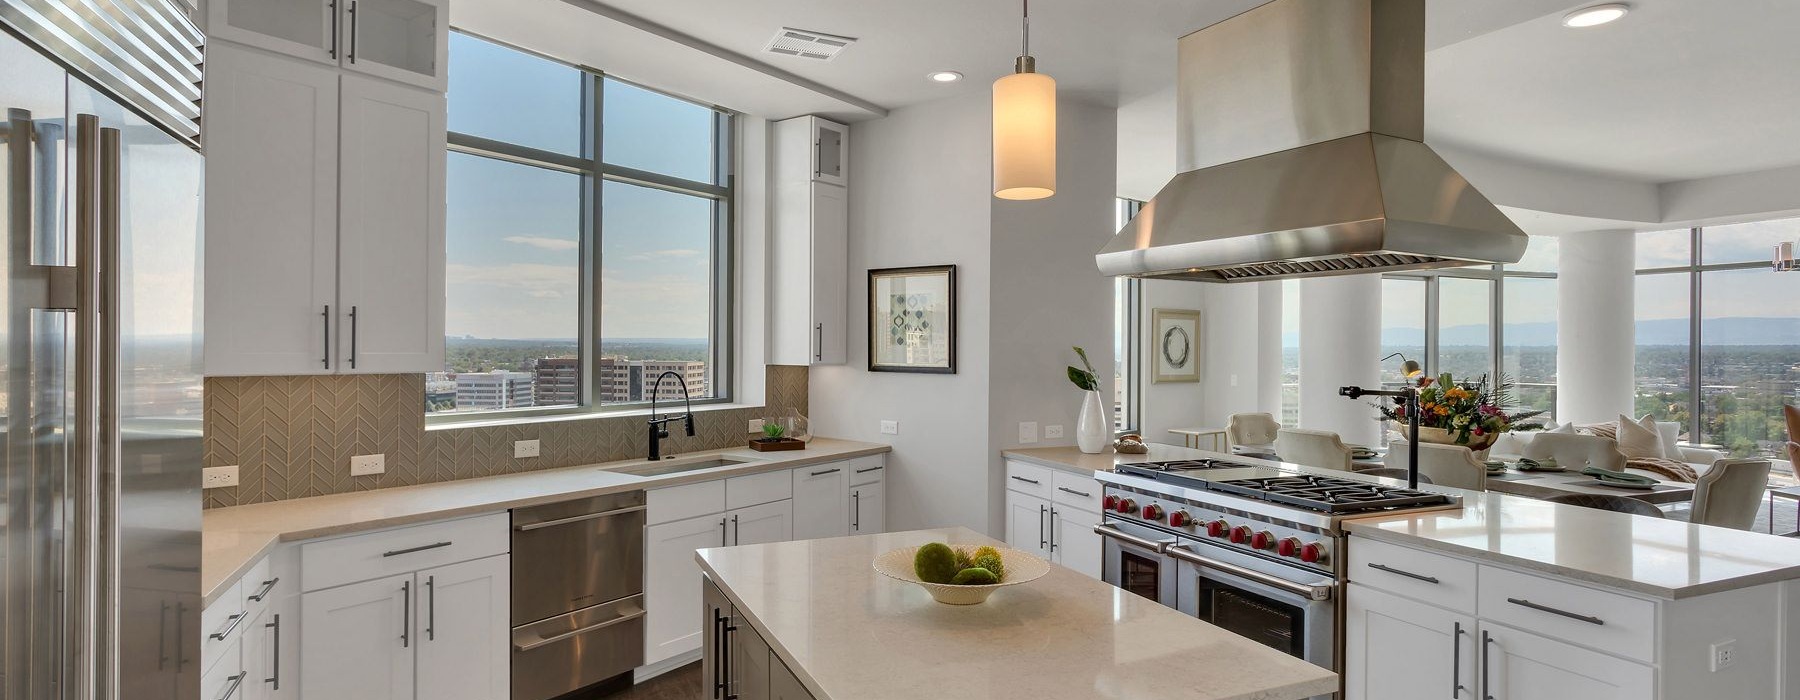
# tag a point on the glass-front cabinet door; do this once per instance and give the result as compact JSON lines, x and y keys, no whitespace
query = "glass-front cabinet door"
{"x":402,"y":40}
{"x":303,"y":28}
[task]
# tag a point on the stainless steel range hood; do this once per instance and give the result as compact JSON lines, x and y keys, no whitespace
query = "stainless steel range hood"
{"x":1300,"y":128}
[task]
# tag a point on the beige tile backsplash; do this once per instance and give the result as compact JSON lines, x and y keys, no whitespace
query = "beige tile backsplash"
{"x":293,"y":437}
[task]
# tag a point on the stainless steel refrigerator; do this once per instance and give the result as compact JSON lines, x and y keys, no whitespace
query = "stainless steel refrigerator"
{"x":101,"y":434}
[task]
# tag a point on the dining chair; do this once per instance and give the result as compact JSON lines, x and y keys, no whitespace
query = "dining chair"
{"x":1447,"y":465}
{"x":1574,"y":451}
{"x":1251,"y":429}
{"x":1320,"y":449}
{"x":1616,"y":504}
{"x":1392,"y":473}
{"x":1729,"y":494}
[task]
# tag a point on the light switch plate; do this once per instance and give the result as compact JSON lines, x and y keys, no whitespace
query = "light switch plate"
{"x":218,"y":477}
{"x":1053,"y":432}
{"x":1028,"y":434}
{"x":525,"y":448}
{"x":364,"y":465}
{"x":890,"y":427}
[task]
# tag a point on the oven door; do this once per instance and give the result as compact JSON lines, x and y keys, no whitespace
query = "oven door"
{"x":1288,"y":609}
{"x":1135,"y":562}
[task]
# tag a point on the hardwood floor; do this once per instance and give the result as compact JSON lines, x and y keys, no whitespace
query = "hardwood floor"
{"x":680,"y":684}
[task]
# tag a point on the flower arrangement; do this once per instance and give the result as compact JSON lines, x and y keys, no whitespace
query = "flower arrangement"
{"x":1473,"y":413}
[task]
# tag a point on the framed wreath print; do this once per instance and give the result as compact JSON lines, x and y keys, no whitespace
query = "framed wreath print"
{"x":912,"y":319}
{"x":1176,"y":344}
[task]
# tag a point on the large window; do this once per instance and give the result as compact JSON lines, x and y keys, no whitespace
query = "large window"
{"x":1718,"y":334}
{"x":1127,"y":298}
{"x":1290,"y":353}
{"x":588,"y":239}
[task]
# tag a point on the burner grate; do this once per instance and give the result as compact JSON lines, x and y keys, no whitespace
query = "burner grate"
{"x":1328,"y":494}
{"x":1181,"y":465}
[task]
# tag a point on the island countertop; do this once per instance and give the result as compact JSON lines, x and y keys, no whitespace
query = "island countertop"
{"x":847,"y":632}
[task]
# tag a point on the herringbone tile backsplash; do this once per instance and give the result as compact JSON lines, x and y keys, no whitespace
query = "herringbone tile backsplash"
{"x":293,"y":437}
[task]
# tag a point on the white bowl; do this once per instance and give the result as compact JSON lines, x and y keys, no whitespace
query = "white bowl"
{"x":1021,"y":568}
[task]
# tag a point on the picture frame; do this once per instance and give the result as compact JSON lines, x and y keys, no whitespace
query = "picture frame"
{"x":1174,"y":346}
{"x":912,"y":319}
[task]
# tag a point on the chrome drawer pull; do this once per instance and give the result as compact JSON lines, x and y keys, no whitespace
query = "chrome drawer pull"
{"x":232,"y":689}
{"x":828,"y":471}
{"x":870,"y":469}
{"x":1033,"y":482}
{"x":410,"y":550}
{"x":1066,"y":489}
{"x":1590,"y":619}
{"x":1408,"y":574}
{"x":584,"y":630}
{"x":230,"y":625}
{"x":268,"y":585}
{"x":578,"y":518}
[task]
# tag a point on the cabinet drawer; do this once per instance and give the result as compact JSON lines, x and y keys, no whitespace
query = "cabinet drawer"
{"x":868,"y":470}
{"x":1028,"y":479}
{"x":380,"y":554}
{"x":687,"y":501}
{"x":1432,"y":578}
{"x":756,"y":489}
{"x":1076,"y":491}
{"x":260,"y":587}
{"x":1609,"y":622}
{"x":222,"y":624}
{"x":227,"y":679}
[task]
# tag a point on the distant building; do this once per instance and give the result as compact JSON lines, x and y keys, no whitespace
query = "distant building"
{"x":557,"y":381}
{"x":624,"y":380}
{"x":486,"y":391}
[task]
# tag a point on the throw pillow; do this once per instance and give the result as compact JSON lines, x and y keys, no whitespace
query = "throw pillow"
{"x":1566,"y":428}
{"x":1639,"y":439}
{"x":1670,"y":434}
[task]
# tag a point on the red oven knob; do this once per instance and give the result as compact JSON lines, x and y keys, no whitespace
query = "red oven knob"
{"x":1312,"y":553}
{"x":1152,"y":512}
{"x":1239,"y":534}
{"x":1263,"y":540}
{"x":1125,"y":505}
{"x":1217,"y":528}
{"x":1289,"y":547}
{"x":1110,"y":502}
{"x":1180,"y":518}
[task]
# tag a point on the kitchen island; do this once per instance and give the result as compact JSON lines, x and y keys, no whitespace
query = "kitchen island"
{"x":813,"y":619}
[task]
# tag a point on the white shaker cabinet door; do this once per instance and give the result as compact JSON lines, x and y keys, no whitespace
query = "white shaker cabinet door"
{"x":300,"y":28}
{"x":831,"y":274}
{"x":1401,"y":649}
{"x":463,"y":619}
{"x":1077,"y":545}
{"x":672,"y":583}
{"x":819,"y":507}
{"x":390,"y":317}
{"x":1028,"y":524}
{"x":271,"y":213}
{"x":769,"y":522}
{"x":359,"y":640}
{"x":868,"y":508}
{"x":1524,"y":666}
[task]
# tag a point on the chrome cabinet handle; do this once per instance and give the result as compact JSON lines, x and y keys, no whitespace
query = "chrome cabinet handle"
{"x":430,"y":608}
{"x":718,"y":654}
{"x":1398,"y":572}
{"x":1066,"y":489}
{"x":818,"y":157}
{"x":353,"y":25}
{"x":823,"y":473}
{"x":736,"y":534}
{"x":275,"y":667}
{"x":1033,"y":482}
{"x":420,"y":548}
{"x":724,"y":535}
{"x":353,"y":318}
{"x":870,"y":469}
{"x":327,"y":320}
{"x":405,"y":614}
{"x":230,"y":625}
{"x":584,"y":630}
{"x":332,"y":6}
{"x":267,"y":586}
{"x":1590,"y":619}
{"x":856,"y":511}
{"x":1487,"y":640}
{"x":579,"y":518}
{"x":1456,"y":686}
{"x":1053,"y":530}
{"x":1299,"y":589}
{"x":1043,"y":539}
{"x":729,"y":629}
{"x":819,"y":353}
{"x":232,"y":689}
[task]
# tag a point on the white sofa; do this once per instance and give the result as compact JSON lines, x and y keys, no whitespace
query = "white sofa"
{"x":1512,"y":446}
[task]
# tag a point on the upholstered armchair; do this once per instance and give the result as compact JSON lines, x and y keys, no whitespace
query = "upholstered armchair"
{"x":1320,"y":449}
{"x":1251,"y":429}
{"x":1729,"y":494}
{"x":1445,"y":465}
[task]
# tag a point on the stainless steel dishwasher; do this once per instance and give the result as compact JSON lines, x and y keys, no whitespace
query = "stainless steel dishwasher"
{"x":577,"y":594}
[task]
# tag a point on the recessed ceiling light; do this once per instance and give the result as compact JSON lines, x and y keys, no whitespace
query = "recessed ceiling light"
{"x":944,"y":76}
{"x":1596,"y":15}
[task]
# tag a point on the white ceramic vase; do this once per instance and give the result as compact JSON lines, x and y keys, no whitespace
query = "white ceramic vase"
{"x":1094,"y":428}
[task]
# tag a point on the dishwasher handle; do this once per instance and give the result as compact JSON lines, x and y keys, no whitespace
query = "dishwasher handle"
{"x":578,"y":518}
{"x":580,"y":631}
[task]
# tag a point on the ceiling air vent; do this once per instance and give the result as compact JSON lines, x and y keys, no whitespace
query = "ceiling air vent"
{"x":803,"y":43}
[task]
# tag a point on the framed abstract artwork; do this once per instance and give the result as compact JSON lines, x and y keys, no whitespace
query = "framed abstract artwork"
{"x":1175,"y":343}
{"x":912,"y":319}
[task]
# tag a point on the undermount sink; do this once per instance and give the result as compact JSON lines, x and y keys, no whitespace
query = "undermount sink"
{"x":661,"y":468}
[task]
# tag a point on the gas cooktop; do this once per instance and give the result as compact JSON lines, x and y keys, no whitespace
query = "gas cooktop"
{"x":1328,"y":494}
{"x":1181,"y":465}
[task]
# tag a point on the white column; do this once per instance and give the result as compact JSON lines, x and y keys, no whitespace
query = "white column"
{"x":1595,"y":328}
{"x":1340,"y":345}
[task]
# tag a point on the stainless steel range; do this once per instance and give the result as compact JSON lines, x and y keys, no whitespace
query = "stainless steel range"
{"x":1252,"y":549}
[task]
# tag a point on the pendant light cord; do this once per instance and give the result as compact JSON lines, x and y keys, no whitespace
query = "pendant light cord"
{"x":1025,"y":29}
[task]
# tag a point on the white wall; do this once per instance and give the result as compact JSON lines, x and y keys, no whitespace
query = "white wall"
{"x":1595,"y":297}
{"x":1340,"y":327}
{"x":919,"y":195}
{"x":1172,"y":405}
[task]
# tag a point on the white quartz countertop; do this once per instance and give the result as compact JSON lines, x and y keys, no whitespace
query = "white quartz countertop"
{"x":849,"y":633}
{"x":1649,"y":556}
{"x":234,"y":538}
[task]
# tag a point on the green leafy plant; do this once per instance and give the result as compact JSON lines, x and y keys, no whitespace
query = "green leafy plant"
{"x":1084,"y":379}
{"x":772,"y":431}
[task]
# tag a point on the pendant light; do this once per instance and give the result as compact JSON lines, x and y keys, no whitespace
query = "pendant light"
{"x":1025,"y":127}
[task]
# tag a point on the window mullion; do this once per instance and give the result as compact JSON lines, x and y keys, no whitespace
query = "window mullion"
{"x":1696,"y":430}
{"x":590,"y":242}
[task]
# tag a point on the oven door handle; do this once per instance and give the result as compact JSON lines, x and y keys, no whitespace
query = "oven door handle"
{"x":1299,"y":589}
{"x":1105,"y":530}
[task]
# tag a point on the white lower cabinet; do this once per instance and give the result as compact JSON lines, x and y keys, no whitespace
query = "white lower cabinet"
{"x":359,"y":640}
{"x":868,"y":508}
{"x":1028,"y":523}
{"x":1052,"y":528}
{"x":672,"y":577}
{"x":1405,"y":650}
{"x":1519,"y":665}
{"x":1074,"y":543}
{"x":272,"y":652}
{"x":769,"y":522}
{"x":819,"y":507}
{"x":463,"y":616}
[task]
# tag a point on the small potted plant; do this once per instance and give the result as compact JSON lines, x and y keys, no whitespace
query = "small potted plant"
{"x":774,"y":439}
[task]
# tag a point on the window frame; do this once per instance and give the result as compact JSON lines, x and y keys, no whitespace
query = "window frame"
{"x":1497,"y":275}
{"x":1131,"y":419}
{"x":595,"y":172}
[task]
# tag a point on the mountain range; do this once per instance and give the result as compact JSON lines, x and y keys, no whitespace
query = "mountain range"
{"x":1717,"y":331}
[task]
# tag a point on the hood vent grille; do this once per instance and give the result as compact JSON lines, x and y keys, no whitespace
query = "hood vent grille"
{"x":1341,"y":265}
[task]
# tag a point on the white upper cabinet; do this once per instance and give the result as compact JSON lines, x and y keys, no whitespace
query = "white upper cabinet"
{"x":809,"y":250}
{"x":831,"y":152}
{"x":403,"y":40}
{"x":391,"y":229}
{"x":271,"y":213}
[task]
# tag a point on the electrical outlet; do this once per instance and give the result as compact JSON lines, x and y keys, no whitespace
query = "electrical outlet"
{"x":525,"y":448}
{"x":364,"y":465}
{"x":1053,"y":432}
{"x":1028,"y":432}
{"x":1723,"y":655}
{"x":890,"y":427}
{"x":755,"y":426}
{"x":216,"y":477}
